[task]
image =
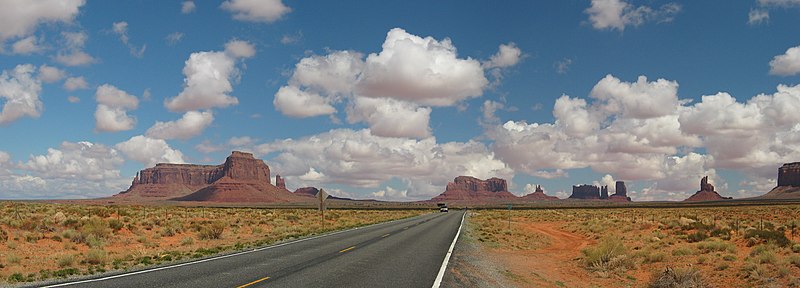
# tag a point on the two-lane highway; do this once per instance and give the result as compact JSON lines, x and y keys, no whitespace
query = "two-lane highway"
{"x":403,"y":253}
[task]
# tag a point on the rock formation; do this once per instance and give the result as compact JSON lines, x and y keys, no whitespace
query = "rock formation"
{"x":538,"y":194}
{"x":706,"y":192}
{"x":242,"y":178}
{"x":585,"y":192}
{"x":306,"y":191}
{"x":621,"y":195}
{"x":604,"y":192}
{"x":280,"y":182}
{"x":466,"y":188}
{"x":788,"y":183}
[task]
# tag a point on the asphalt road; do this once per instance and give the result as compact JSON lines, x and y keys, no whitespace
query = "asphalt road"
{"x":404,"y":253}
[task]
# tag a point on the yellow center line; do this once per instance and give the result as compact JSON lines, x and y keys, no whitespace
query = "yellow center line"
{"x":348,"y":249}
{"x":384,"y":236}
{"x":254,"y":282}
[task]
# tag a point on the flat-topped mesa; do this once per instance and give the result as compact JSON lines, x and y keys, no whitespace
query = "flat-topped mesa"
{"x":243,"y":166}
{"x":706,"y":192}
{"x":306,"y":191}
{"x":788,"y":183}
{"x":585,"y":192}
{"x":621,"y":194}
{"x":471,"y":189}
{"x":789,"y":175}
{"x":468,"y":183}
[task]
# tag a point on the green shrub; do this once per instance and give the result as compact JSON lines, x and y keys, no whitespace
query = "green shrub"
{"x":115,"y":224}
{"x":716,"y":245}
{"x":682,"y":251}
{"x":96,"y":257}
{"x":796,"y":248}
{"x":212,"y":231}
{"x":95,"y":226}
{"x":66,"y":261}
{"x":3,"y":235}
{"x":187,"y":241}
{"x":697,"y":236}
{"x":794,"y":260}
{"x":609,"y":255}
{"x":672,"y":278}
{"x":765,"y":236}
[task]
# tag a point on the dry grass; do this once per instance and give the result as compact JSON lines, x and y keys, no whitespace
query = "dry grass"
{"x":41,"y":241}
{"x":740,"y":246}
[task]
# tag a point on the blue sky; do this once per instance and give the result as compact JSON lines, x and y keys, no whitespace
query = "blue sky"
{"x":391,"y":100}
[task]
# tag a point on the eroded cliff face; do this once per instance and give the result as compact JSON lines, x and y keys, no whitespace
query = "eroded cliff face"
{"x":788,"y":183}
{"x":466,"y":188}
{"x":539,"y":195}
{"x":585,"y":192}
{"x":242,"y":178}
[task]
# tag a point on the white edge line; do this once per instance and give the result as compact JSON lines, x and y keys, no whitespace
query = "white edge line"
{"x":222,"y":256}
{"x":439,"y":277}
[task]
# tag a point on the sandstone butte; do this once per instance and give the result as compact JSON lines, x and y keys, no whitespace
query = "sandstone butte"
{"x":788,"y":183}
{"x":474,"y":190}
{"x":706,"y":192}
{"x":538,"y":195}
{"x":591,"y":192}
{"x":241,"y":179}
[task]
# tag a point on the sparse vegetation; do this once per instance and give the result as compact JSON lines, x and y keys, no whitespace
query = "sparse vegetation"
{"x":678,"y":278}
{"x":59,"y":240}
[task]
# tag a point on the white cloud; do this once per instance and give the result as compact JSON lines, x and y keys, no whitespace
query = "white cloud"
{"x":786,"y":64}
{"x":188,"y":7}
{"x":408,"y":76}
{"x":19,"y":18}
{"x":149,"y":151}
{"x":75,"y":83}
{"x":72,"y":54}
{"x":421,"y":70}
{"x":208,"y":79}
{"x":121,"y":29}
{"x":27,"y":45}
{"x":84,"y":160}
{"x":73,"y":99}
{"x":292,"y":38}
{"x":780,"y":3}
{"x":174,"y":38}
{"x":507,"y":55}
{"x":50,"y":74}
{"x":192,"y":123}
{"x":293,"y":102}
{"x":489,"y":110}
{"x":20,"y":89}
{"x":617,"y":14}
{"x":240,"y":49}
{"x":361,"y":159}
{"x":391,"y":118}
{"x":267,"y":11}
{"x":113,"y":105}
{"x":558,"y":173}
{"x":637,"y":100}
{"x":757,"y":16}
{"x":391,"y":194}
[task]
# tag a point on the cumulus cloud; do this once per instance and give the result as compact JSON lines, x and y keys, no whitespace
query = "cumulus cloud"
{"x":20,"y":89}
{"x":19,"y":18}
{"x":73,"y":99}
{"x":188,"y":7}
{"x":267,"y":11}
{"x":27,"y":45}
{"x":391,"y":118}
{"x":112,"y":107}
{"x":72,"y":54}
{"x":50,"y":74}
{"x":507,"y":55}
{"x":617,"y":14}
{"x":75,"y":83}
{"x":293,"y":102}
{"x":361,"y":159}
{"x":409,"y":75}
{"x":641,"y":100}
{"x":786,"y":64}
{"x":83,"y":160}
{"x":190,"y":125}
{"x":780,"y":3}
{"x":757,"y":16}
{"x":149,"y":151}
{"x":240,"y":49}
{"x":208,"y":77}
